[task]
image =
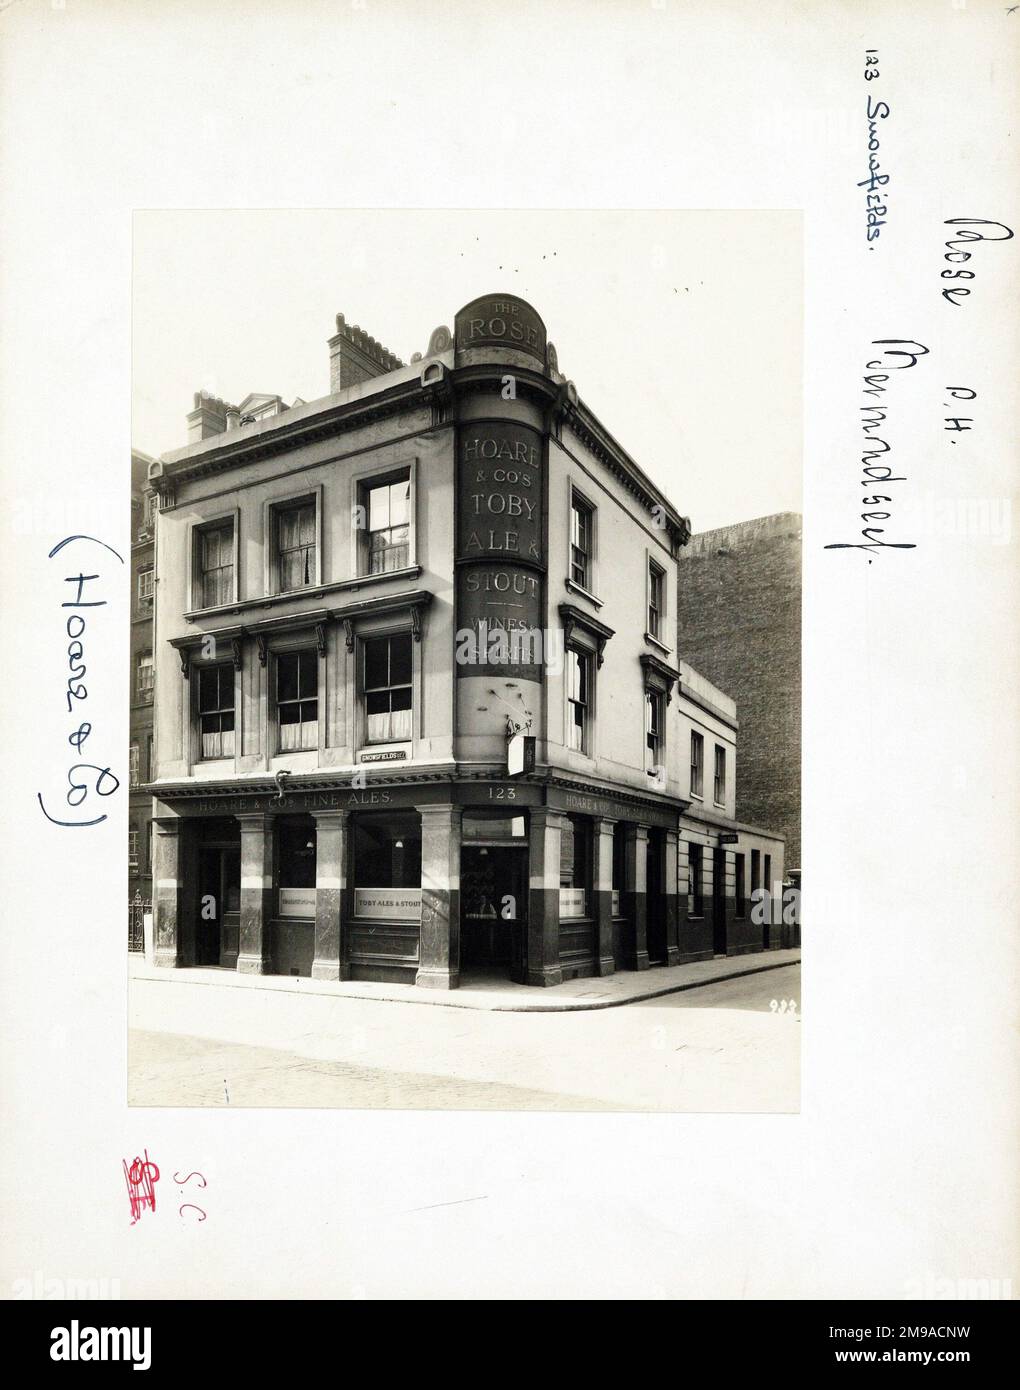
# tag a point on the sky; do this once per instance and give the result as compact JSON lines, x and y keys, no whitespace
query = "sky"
{"x":681,"y":330}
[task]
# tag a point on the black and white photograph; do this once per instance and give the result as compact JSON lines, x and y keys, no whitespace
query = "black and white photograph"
{"x":510,"y":757}
{"x":466,"y":763}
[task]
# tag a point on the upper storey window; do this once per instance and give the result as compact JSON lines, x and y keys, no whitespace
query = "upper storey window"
{"x":216,"y":564}
{"x":216,"y":710}
{"x":578,"y":700}
{"x":719,"y":781}
{"x":388,"y":519}
{"x":384,"y":522}
{"x":296,"y":559}
{"x":697,"y":763}
{"x":582,"y":534}
{"x":386,"y":687}
{"x":656,"y":606}
{"x":297,"y":699}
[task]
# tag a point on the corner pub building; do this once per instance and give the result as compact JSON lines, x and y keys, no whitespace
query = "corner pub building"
{"x":359,"y":775}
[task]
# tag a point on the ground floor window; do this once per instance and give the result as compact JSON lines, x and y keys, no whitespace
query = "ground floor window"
{"x":295,"y":858}
{"x":387,"y":865}
{"x":575,"y":867}
{"x":740,"y":890}
{"x":491,"y":827}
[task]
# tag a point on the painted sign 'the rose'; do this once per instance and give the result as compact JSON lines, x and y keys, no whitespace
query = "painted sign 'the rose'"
{"x":503,"y":321}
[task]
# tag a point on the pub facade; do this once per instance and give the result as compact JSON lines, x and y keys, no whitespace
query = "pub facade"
{"x":421,"y":713}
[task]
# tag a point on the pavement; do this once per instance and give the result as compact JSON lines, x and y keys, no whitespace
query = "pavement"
{"x":724,"y":1045}
{"x":493,"y":991}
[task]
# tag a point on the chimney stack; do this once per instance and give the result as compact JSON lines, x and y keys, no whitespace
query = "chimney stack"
{"x":208,"y":417}
{"x":355,"y":356}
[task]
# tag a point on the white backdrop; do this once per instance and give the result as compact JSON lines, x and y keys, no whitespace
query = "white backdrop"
{"x":898,"y":1178}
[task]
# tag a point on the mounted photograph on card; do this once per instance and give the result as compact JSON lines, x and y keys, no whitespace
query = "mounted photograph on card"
{"x":465,"y":660}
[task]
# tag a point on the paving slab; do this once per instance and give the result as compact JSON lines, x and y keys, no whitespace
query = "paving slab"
{"x":494,"y":992}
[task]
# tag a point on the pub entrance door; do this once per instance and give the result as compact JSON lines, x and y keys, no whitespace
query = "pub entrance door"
{"x":494,"y":910}
{"x":219,"y":898}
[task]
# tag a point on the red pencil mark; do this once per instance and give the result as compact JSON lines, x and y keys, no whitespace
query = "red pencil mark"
{"x":141,"y":1177}
{"x":180,"y":1211}
{"x":196,"y":1174}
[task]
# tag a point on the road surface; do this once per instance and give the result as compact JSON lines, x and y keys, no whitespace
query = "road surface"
{"x":721,"y":1047}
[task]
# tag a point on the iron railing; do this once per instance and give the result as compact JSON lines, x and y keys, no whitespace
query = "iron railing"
{"x":137,"y":908}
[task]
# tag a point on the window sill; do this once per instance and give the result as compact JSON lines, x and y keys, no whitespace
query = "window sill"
{"x":655,"y":642}
{"x":576,"y":588}
{"x":698,"y":796}
{"x":247,"y":605}
{"x":408,"y":572}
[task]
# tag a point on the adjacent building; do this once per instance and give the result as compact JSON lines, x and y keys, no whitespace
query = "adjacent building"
{"x":142,"y":671}
{"x":739,"y":608}
{"x":422,"y":711}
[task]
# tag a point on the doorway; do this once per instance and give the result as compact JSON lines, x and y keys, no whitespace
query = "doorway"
{"x":655,"y":916}
{"x":494,"y":910}
{"x":719,"y":902}
{"x":219,"y":903}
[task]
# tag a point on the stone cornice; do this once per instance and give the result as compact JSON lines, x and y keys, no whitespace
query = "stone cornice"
{"x":728,"y":719}
{"x":597,"y":439}
{"x":248,"y":605}
{"x":424,"y":774}
{"x":412,"y":601}
{"x":236,"y":452}
{"x":434,"y":393}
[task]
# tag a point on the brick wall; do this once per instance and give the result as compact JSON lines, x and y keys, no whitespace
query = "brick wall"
{"x":739,"y":624}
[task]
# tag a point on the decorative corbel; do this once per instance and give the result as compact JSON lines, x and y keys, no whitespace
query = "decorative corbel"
{"x":320,"y":638}
{"x":235,"y":643}
{"x":260,"y":640}
{"x":349,"y":634}
{"x":437,"y":393}
{"x":600,"y":654}
{"x":416,"y":624}
{"x":185,"y":657}
{"x":569,"y":623}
